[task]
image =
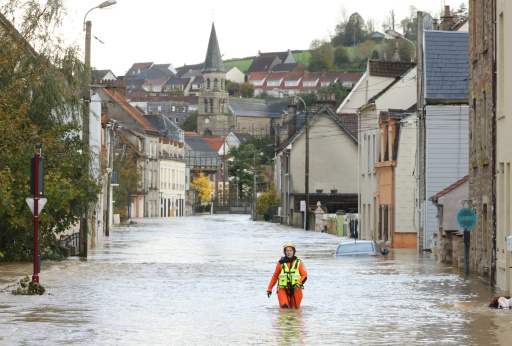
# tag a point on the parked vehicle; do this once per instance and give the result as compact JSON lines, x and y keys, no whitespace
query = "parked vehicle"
{"x":359,"y":248}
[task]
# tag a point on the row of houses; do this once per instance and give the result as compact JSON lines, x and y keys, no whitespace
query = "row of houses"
{"x":426,"y":145}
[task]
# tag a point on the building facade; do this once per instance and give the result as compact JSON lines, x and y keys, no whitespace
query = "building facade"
{"x":482,"y":139}
{"x":503,"y":73}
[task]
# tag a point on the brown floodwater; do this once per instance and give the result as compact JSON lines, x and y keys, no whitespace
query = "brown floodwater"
{"x":203,"y":281}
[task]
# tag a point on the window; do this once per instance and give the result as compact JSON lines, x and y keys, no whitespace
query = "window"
{"x":208,"y":83}
{"x":291,"y":83}
{"x":274,"y":83}
{"x":176,"y":120}
{"x":309,"y":84}
{"x":215,"y":81}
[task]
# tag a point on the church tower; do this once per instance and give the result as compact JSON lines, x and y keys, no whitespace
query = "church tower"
{"x":213,"y":117}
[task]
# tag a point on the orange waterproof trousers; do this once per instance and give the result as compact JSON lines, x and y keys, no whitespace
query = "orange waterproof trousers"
{"x":287,"y":301}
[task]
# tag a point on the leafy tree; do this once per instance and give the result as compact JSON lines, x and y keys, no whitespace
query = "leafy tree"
{"x":364,"y":50}
{"x":203,"y":188}
{"x":233,"y":88}
{"x":246,"y":90}
{"x":125,"y":163}
{"x":351,"y":32}
{"x":190,"y":123}
{"x":322,"y":56}
{"x":341,"y":56}
{"x":247,"y":160}
{"x":40,"y":96}
{"x":267,"y":199}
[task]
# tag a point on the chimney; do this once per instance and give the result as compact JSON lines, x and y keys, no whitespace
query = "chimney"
{"x":326,"y":100}
{"x":447,"y":22}
{"x":291,"y":119}
{"x":435,"y":24}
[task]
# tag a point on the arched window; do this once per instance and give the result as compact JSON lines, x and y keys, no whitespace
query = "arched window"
{"x":211,"y":105}
{"x":215,"y":81}
{"x":205,"y":105}
{"x":207,"y":132}
{"x":208,"y":83}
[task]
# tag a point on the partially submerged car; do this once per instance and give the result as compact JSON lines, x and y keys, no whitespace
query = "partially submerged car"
{"x":359,"y":248}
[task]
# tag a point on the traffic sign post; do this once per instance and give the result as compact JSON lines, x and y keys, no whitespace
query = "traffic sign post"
{"x":36,"y":187}
{"x":467,"y":219}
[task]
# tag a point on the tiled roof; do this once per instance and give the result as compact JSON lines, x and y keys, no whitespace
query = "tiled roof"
{"x":285,"y":67}
{"x":141,"y":66}
{"x":384,"y":68}
{"x":215,"y":142}
{"x":350,"y":76}
{"x":132,"y":112}
{"x":446,"y":65}
{"x":450,"y":188}
{"x":197,"y":143}
{"x":249,"y":107}
{"x":350,"y":120}
{"x":258,"y":76}
{"x":263,"y":63}
{"x":155,"y":81}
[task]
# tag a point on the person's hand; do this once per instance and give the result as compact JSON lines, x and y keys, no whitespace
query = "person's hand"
{"x":269,"y":293}
{"x":297,"y":286}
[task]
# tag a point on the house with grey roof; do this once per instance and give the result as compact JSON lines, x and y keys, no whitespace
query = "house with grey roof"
{"x":332,"y":161}
{"x":265,"y":62}
{"x":444,"y":142}
{"x":103,"y":76}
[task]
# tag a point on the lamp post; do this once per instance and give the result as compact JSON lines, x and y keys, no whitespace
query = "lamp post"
{"x":237,"y":171}
{"x":85,"y":120}
{"x":395,"y":34}
{"x":306,"y":158}
{"x":254,"y":188}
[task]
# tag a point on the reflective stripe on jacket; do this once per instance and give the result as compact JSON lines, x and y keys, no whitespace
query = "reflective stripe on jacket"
{"x":289,"y":276}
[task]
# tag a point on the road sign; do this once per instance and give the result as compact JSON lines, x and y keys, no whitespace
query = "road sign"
{"x":466,"y":218}
{"x":40,"y":204}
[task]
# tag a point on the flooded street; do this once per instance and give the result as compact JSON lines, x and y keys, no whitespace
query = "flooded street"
{"x":203,"y":281}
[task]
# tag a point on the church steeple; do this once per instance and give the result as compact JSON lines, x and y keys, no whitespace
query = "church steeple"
{"x":213,"y":99}
{"x":213,"y":61}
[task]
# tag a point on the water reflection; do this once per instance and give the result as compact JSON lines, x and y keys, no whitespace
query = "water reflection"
{"x":290,"y":327}
{"x":197,"y":281}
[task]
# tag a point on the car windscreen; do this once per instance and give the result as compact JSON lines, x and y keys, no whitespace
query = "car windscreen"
{"x":354,"y":247}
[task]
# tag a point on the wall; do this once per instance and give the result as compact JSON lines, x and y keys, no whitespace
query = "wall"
{"x":503,"y":145}
{"x":447,"y":156}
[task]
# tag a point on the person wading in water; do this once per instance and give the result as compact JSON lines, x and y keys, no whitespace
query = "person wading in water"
{"x":290,"y":274}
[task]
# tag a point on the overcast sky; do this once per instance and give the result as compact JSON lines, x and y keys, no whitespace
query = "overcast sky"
{"x":177,"y":32}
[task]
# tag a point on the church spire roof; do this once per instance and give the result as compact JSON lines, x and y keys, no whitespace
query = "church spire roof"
{"x":213,"y":61}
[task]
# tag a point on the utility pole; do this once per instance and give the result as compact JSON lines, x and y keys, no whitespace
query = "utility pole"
{"x":84,"y":224}
{"x":306,"y":175}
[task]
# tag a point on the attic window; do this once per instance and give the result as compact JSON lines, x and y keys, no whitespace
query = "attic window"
{"x":309,"y":84}
{"x":291,"y":83}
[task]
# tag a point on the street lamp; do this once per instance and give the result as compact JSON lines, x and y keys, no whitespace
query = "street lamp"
{"x":254,"y":188}
{"x":306,"y":173}
{"x":395,"y":34}
{"x":85,"y":120}
{"x":237,"y":171}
